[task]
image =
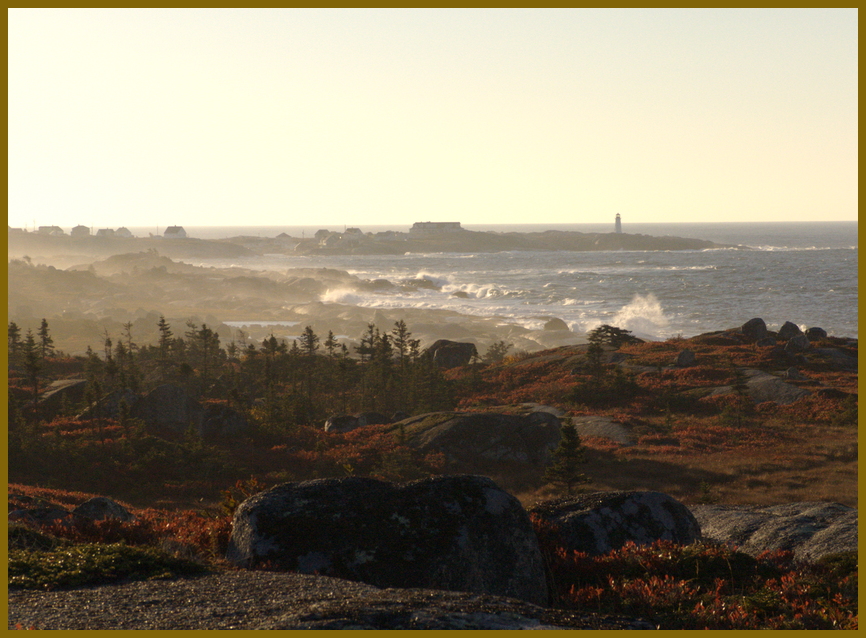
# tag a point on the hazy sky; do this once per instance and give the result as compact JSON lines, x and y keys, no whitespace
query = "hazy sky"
{"x":154,"y":117}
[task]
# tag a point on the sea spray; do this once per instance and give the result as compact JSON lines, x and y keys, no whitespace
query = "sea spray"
{"x":644,"y":317}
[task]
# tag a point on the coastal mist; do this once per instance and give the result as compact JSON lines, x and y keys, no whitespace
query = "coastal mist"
{"x":805,"y":273}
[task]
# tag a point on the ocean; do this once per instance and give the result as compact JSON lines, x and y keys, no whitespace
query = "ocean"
{"x":804,"y":272}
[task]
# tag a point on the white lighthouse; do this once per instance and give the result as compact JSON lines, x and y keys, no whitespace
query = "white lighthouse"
{"x":618,"y":225}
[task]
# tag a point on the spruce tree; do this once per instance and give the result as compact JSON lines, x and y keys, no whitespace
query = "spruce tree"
{"x":14,"y":342}
{"x":568,"y":456}
{"x":32,"y":363}
{"x":46,"y":343}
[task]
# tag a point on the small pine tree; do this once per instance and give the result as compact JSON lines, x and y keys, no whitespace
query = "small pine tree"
{"x":567,"y":459}
{"x":46,"y":343}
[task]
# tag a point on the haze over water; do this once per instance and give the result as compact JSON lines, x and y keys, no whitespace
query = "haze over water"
{"x":802,"y":272}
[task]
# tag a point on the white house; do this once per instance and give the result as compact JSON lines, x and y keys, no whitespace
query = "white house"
{"x":174,"y":232}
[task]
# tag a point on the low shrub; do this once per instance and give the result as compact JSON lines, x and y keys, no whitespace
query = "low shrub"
{"x":94,"y":564}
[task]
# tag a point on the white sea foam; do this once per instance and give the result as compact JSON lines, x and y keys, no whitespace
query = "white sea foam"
{"x":643,"y":316}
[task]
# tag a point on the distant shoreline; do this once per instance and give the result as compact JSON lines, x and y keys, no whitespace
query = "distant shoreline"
{"x":348,"y":243}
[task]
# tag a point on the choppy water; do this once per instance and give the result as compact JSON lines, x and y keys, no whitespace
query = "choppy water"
{"x":800,"y":272}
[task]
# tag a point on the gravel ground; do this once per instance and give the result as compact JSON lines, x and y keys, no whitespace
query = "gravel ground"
{"x":271,"y":600}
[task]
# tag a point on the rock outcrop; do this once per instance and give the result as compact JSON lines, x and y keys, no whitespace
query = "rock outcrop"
{"x":272,"y":600}
{"x":809,"y":529}
{"x":472,"y":441}
{"x":458,"y":533}
{"x":762,"y":386}
{"x":100,"y":508}
{"x":556,"y":324}
{"x":603,"y":521}
{"x":68,"y":391}
{"x":754,"y":329}
{"x":789,"y":330}
{"x":451,"y":354}
{"x":171,"y":407}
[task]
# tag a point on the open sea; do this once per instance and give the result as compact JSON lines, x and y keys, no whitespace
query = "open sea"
{"x":804,"y":272}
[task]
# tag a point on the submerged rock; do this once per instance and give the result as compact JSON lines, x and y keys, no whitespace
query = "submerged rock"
{"x":458,"y":533}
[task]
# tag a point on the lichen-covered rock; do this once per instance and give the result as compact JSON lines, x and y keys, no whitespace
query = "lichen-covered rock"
{"x":100,"y":508}
{"x":603,"y":521}
{"x":472,"y":441}
{"x":458,"y":533}
{"x":809,"y":529}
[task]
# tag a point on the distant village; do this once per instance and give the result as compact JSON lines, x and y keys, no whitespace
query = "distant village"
{"x":172,"y":232}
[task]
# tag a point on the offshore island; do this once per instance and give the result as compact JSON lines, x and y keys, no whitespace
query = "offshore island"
{"x":423,"y":237}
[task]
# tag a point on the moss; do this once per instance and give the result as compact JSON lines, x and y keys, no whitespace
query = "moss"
{"x":92,"y":564}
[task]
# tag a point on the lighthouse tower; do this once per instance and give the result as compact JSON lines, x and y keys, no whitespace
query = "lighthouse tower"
{"x":618,"y":225}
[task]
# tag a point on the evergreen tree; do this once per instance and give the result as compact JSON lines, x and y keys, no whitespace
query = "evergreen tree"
{"x":568,"y":456}
{"x":496,"y":352}
{"x":32,"y":362}
{"x":165,"y":342}
{"x":14,"y":342}
{"x":331,"y":344}
{"x":46,"y":343}
{"x":309,"y":341}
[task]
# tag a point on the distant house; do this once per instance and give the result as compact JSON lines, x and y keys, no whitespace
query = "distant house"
{"x":421,"y":228}
{"x":15,"y":231}
{"x":331,"y":240}
{"x":353,"y":231}
{"x":321,"y":234}
{"x":80,"y":231}
{"x":123,"y":231}
{"x":105,"y":232}
{"x":50,"y":230}
{"x":174,"y":232}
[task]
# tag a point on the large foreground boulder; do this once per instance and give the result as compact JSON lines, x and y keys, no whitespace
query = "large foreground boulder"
{"x":472,"y":441}
{"x":603,"y":521}
{"x":458,"y":533}
{"x":809,"y":529}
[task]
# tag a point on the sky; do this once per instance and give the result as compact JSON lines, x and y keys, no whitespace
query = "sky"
{"x":242,"y":117}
